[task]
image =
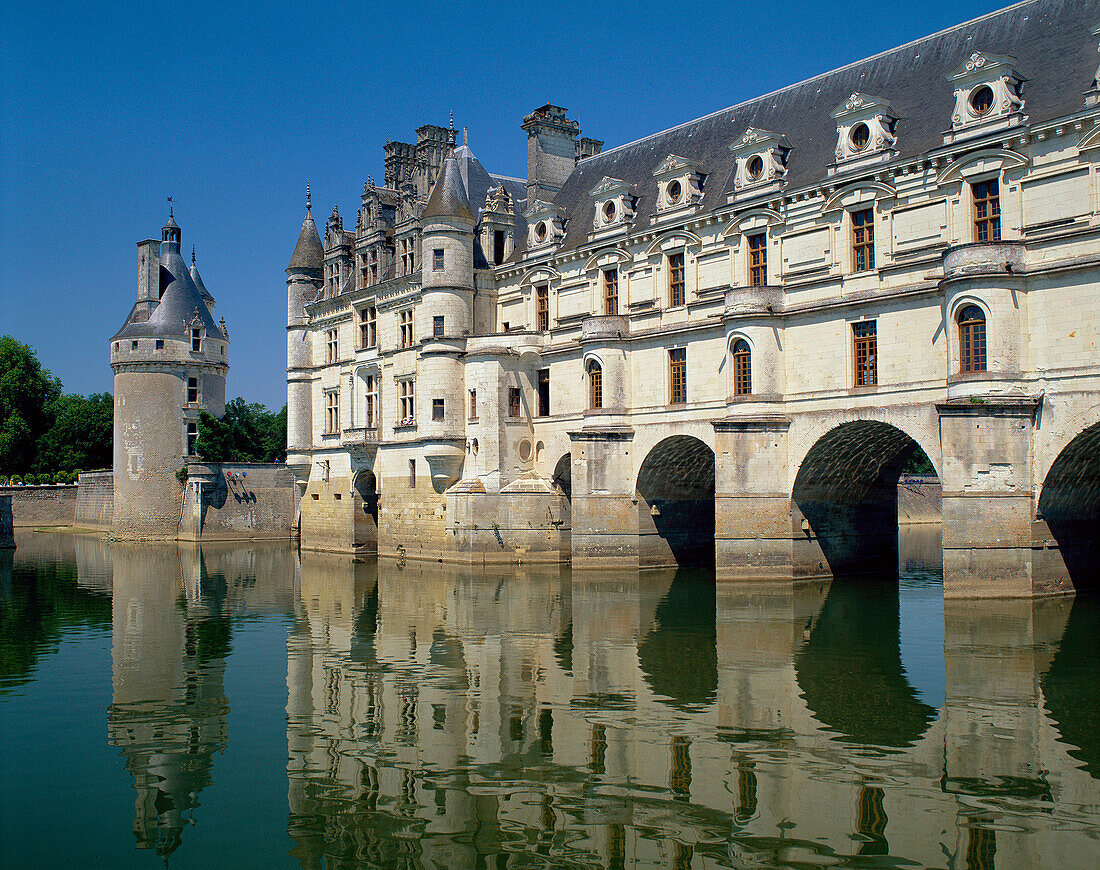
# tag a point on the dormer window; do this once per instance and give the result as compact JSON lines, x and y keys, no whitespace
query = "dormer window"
{"x":761,"y":163}
{"x":987,"y":96}
{"x":865,"y":132}
{"x":541,"y":231}
{"x":545,"y":223}
{"x":196,"y":339}
{"x":679,"y":187}
{"x":614,"y":203}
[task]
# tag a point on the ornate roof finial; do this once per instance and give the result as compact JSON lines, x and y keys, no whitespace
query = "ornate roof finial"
{"x":170,"y":207}
{"x":451,"y":125}
{"x":465,"y":137}
{"x":192,"y":253}
{"x":308,"y":199}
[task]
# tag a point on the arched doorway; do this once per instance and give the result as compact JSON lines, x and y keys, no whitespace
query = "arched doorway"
{"x":1069,"y":504}
{"x":675,"y":492}
{"x":844,"y":505}
{"x":366,"y":510}
{"x":563,"y":476}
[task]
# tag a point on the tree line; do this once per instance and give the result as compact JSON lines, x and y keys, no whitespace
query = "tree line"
{"x":50,"y":436}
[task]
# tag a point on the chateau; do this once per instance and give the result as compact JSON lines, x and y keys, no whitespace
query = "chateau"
{"x":724,"y":341}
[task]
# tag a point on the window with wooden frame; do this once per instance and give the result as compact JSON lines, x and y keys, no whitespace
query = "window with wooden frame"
{"x":438,"y":326}
{"x":192,"y":437}
{"x":437,"y":410}
{"x":595,"y":386}
{"x":513,"y":401}
{"x":677,"y":376}
{"x":543,"y":377}
{"x":192,"y":391}
{"x":196,"y":340}
{"x":542,"y":307}
{"x":374,"y":266}
{"x":333,"y":345}
{"x":611,"y":291}
{"x":332,"y":412}
{"x":406,"y":402}
{"x":405,"y":321}
{"x":368,"y":327}
{"x":473,"y":404}
{"x":437,"y":260}
{"x":987,"y":210}
{"x":865,"y":348}
{"x":863,"y":240}
{"x":371,"y":402}
{"x":675,"y":279}
{"x":758,"y":259}
{"x":971,"y":322}
{"x":742,"y":368}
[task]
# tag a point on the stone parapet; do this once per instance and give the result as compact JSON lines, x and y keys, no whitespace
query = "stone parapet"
{"x":602,"y":327}
{"x":53,"y":505}
{"x":984,"y":258}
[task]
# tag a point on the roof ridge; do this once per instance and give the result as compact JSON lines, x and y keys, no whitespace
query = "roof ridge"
{"x":821,"y":75}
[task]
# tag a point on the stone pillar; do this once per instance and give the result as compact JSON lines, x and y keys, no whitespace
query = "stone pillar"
{"x":752,"y":537}
{"x":988,"y":498}
{"x":605,"y":513}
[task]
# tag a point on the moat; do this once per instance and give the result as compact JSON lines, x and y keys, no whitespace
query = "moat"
{"x":247,"y":705}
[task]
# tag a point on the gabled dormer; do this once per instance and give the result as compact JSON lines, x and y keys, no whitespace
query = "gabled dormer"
{"x":545,"y":225}
{"x":679,"y":188}
{"x":987,"y":96}
{"x":865,"y":132}
{"x":760,"y":163}
{"x":615,"y":201}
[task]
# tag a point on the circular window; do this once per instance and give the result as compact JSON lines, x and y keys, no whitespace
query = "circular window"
{"x":524,"y":450}
{"x":860,"y":136}
{"x":674,"y":191}
{"x":540,"y":231}
{"x":609,"y":211}
{"x":981,"y":100}
{"x":755,"y":167}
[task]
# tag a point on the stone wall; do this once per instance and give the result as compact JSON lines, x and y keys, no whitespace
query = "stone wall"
{"x":95,"y":500}
{"x":919,"y":500}
{"x":53,"y":505}
{"x":238,"y":501}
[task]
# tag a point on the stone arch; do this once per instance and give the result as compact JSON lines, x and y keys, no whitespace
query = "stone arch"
{"x":844,"y":500}
{"x":365,"y":494}
{"x":1069,"y":505}
{"x":563,"y":475}
{"x":675,"y":495}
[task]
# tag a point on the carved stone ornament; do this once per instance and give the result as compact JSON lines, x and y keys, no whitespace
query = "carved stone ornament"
{"x":614,"y":203}
{"x":987,"y":94}
{"x":545,"y":224}
{"x":865,"y":131}
{"x":761,"y":158}
{"x":679,"y":183}
{"x":497,"y":201}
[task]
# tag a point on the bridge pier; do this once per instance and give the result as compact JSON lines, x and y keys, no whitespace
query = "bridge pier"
{"x":604,"y":509}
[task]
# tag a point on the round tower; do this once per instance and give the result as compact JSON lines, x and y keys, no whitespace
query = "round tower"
{"x":304,"y":277}
{"x":447,"y":313}
{"x":170,"y":360}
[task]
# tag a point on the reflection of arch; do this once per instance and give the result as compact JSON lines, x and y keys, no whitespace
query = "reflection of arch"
{"x":676,"y":503}
{"x":1070,"y":687}
{"x":679,"y":657}
{"x":847,"y":491}
{"x":850,"y":670}
{"x":1070,"y":505}
{"x":563,"y":475}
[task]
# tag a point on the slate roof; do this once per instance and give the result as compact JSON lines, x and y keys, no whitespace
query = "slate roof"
{"x":448,"y":197}
{"x":197,"y":278}
{"x":180,"y":304}
{"x":1050,"y":39}
{"x":308,"y":253}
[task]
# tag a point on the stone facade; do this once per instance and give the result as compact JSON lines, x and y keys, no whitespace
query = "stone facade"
{"x":95,"y":505}
{"x":47,"y":505}
{"x":729,"y":338}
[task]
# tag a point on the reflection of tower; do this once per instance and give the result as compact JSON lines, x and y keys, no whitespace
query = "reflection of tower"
{"x":169,"y":713}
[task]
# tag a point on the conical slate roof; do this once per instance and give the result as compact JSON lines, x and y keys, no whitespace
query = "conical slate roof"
{"x":308,"y":253}
{"x":449,"y":197}
{"x":180,"y":306}
{"x":197,"y":279}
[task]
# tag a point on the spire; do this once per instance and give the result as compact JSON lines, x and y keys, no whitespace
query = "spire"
{"x":192,"y":255}
{"x":309,"y":256}
{"x":171,"y":230}
{"x":448,"y":198}
{"x":196,"y":278}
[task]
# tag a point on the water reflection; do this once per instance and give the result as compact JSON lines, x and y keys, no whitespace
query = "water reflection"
{"x":445,"y":717}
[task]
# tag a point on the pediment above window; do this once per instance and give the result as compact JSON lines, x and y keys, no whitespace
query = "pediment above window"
{"x":615,"y":200}
{"x":545,"y":225}
{"x":865,"y":132}
{"x":760,"y":163}
{"x":679,"y":187}
{"x":987,"y":96}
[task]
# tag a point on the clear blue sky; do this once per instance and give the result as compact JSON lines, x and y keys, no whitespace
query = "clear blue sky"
{"x":107,"y":108}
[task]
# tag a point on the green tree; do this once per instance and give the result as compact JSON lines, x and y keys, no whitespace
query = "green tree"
{"x":245,"y":433}
{"x":80,"y":436}
{"x":26,"y":392}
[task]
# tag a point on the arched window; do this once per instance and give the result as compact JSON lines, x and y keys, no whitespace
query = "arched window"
{"x":971,"y":339}
{"x":595,"y":386}
{"x":742,"y":368}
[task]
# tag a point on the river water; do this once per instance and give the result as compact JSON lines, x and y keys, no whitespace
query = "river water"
{"x":241,"y":705}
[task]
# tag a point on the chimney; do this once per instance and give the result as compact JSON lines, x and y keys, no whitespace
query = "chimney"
{"x":148,"y":292}
{"x":588,"y":148}
{"x":551,"y":151}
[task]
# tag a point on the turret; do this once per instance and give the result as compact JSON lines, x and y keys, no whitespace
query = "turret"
{"x":304,"y":278}
{"x":447,"y":304}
